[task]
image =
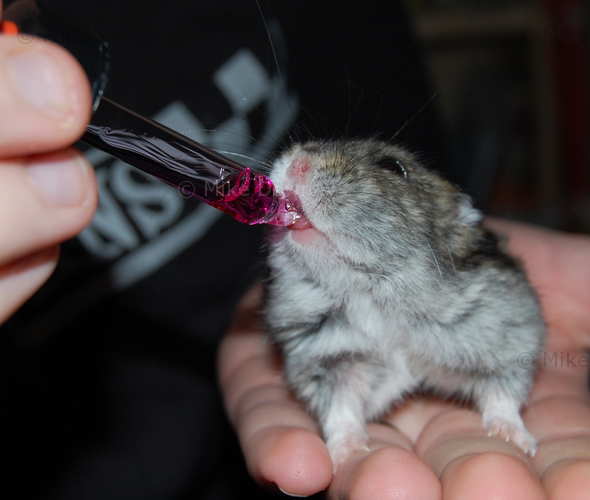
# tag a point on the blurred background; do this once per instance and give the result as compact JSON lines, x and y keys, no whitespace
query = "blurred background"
{"x":512,"y":85}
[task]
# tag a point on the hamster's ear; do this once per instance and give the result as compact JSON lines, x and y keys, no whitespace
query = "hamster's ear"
{"x":466,"y":213}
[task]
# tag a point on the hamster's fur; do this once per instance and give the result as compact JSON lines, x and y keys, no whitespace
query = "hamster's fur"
{"x":397,"y":286}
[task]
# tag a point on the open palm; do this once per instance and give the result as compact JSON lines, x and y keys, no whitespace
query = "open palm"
{"x":428,"y":448}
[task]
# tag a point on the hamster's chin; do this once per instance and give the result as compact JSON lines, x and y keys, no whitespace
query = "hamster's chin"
{"x":307,"y":236}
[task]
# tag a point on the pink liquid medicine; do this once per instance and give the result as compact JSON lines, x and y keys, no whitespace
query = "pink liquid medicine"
{"x":252,"y":200}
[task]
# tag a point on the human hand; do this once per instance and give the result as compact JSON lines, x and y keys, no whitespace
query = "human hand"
{"x":47,"y":191}
{"x":427,"y":448}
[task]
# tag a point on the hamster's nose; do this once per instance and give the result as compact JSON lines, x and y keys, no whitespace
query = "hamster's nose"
{"x":299,"y":169}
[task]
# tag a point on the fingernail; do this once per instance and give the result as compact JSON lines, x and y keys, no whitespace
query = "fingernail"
{"x":39,"y":81}
{"x":60,"y":182}
{"x":291,"y":494}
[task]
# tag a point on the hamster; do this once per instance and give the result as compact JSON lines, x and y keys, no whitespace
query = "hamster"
{"x":393,"y":285}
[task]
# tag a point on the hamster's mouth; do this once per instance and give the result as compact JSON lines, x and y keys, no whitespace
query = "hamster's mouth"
{"x":302,"y":231}
{"x":301,"y":221}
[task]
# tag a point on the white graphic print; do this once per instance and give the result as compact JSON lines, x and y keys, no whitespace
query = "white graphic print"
{"x":253,"y":87}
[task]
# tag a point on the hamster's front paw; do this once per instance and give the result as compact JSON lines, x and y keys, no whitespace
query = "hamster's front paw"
{"x":342,"y":447}
{"x":512,"y":431}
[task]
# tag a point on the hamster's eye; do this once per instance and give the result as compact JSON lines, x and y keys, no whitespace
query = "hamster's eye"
{"x":393,"y":165}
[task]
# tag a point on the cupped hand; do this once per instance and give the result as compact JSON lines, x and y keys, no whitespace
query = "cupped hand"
{"x":47,"y":191}
{"x":428,"y":448}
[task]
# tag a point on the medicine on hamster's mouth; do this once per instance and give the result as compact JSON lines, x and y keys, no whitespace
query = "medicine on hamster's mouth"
{"x":294,"y":206}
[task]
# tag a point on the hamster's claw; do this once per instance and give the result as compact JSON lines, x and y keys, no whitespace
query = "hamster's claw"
{"x":511,"y":431}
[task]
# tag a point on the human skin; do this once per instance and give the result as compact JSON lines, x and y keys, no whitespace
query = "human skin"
{"x":47,"y":190}
{"x":429,"y":448}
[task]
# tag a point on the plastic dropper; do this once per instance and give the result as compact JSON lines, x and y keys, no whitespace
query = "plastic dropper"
{"x":192,"y":168}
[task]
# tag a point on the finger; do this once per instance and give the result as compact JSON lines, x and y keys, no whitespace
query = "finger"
{"x":389,"y":469}
{"x":568,"y":480}
{"x":280,"y":441}
{"x":472,"y":465}
{"x":45,"y":97}
{"x":556,"y":421}
{"x":43,"y":200}
{"x":21,"y":279}
{"x":562,"y":424}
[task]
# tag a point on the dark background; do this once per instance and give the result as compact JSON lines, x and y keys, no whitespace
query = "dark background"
{"x":514,"y":90}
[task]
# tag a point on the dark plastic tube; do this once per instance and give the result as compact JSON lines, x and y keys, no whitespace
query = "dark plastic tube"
{"x":187,"y":165}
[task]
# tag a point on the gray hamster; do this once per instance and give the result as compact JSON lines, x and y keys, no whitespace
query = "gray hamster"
{"x":391,"y":285}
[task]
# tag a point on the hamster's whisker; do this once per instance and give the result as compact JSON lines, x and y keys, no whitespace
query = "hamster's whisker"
{"x":412,"y":117}
{"x":270,"y":40}
{"x":451,"y":259}
{"x":232,"y":134}
{"x":435,"y":259}
{"x":261,"y":163}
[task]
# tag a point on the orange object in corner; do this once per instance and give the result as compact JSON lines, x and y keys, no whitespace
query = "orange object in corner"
{"x":8,"y":28}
